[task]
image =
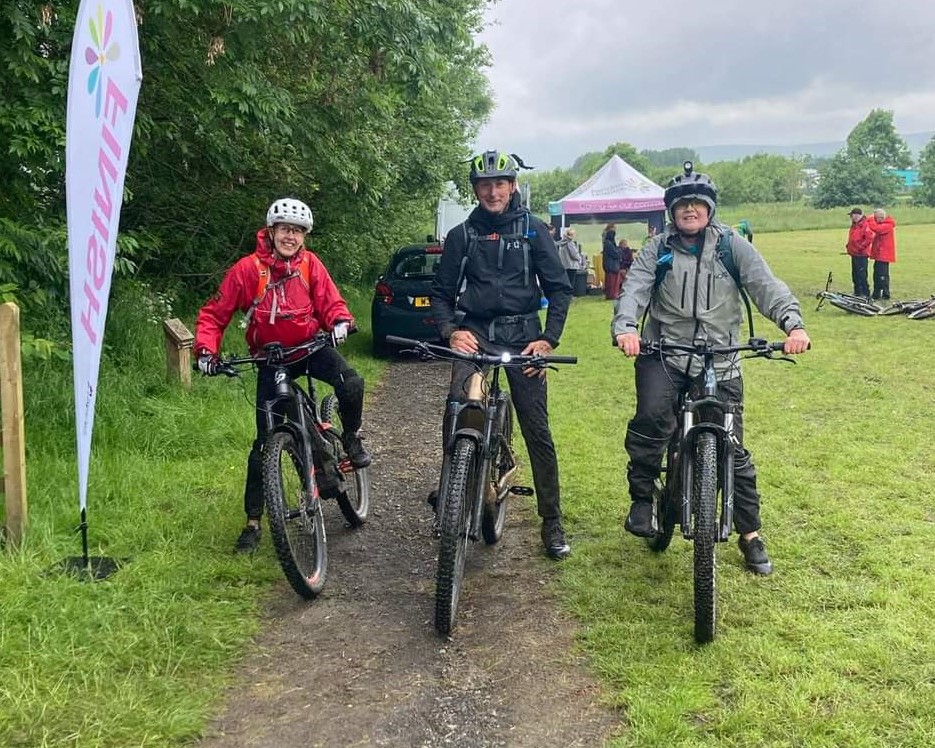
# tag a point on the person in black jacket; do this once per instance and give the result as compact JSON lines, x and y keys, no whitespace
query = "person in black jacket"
{"x":486,"y":296}
{"x":610,"y":261}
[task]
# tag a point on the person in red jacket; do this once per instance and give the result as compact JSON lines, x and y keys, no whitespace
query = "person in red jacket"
{"x":883,"y":251}
{"x":859,"y":239}
{"x":287,"y":296}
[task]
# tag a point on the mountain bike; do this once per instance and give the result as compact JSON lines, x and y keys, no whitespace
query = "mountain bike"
{"x":478,"y":466}
{"x":698,"y":468}
{"x":847,"y":302}
{"x":913,"y":308}
{"x":303,"y":462}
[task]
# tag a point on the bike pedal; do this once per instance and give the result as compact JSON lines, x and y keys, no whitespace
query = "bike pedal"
{"x":521,"y":490}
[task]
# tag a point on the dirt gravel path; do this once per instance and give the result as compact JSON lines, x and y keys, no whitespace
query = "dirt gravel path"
{"x":362,"y":664}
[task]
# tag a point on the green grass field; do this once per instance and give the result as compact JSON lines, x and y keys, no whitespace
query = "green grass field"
{"x":835,"y":649}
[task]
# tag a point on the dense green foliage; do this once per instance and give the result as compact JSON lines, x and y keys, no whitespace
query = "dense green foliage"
{"x":925,"y":193}
{"x":855,"y":175}
{"x":361,"y":108}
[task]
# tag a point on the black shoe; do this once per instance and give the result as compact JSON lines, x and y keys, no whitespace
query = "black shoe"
{"x":356,"y":452}
{"x":553,"y":538}
{"x":754,"y":555}
{"x":249,"y":540}
{"x":640,"y":520}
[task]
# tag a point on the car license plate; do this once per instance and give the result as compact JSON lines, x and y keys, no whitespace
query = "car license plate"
{"x":421,"y":301}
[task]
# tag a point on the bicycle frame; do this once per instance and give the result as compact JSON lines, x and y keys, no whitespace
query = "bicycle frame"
{"x":691,"y":427}
{"x":465,"y":421}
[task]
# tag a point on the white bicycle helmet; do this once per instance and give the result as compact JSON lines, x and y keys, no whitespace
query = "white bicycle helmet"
{"x":290,"y":210}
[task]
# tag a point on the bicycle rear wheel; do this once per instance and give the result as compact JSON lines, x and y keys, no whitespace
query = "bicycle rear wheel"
{"x":502,"y":463}
{"x":354,"y":496}
{"x":455,"y":524}
{"x":704,"y":511}
{"x":665,"y":506}
{"x":294,"y":515}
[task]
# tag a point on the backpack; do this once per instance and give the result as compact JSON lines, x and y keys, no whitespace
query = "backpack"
{"x":725,"y":255}
{"x":472,"y":242}
{"x":304,"y":272}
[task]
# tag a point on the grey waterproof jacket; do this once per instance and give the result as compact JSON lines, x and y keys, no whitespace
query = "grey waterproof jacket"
{"x":698,"y":300}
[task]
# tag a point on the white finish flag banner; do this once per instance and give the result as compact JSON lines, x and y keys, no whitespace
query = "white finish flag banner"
{"x":103,"y":84}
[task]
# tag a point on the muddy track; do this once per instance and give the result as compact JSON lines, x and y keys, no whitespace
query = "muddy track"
{"x":362,"y":664}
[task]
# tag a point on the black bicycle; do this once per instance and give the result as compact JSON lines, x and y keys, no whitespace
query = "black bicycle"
{"x":478,"y":466}
{"x":699,"y":465}
{"x":848,"y":302}
{"x":303,"y":462}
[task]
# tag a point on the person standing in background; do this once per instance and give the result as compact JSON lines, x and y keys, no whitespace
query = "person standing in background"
{"x":570,"y":255}
{"x":859,"y":239}
{"x":883,"y":251}
{"x":626,"y":259}
{"x":745,"y":229}
{"x":610,"y":261}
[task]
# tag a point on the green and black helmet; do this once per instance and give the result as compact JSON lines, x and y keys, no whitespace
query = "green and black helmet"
{"x":494,"y":165}
{"x":691,"y":185}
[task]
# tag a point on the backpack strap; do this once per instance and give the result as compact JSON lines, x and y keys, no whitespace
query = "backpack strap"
{"x":263,"y":285}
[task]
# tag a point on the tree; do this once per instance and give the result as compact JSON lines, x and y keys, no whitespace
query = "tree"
{"x":757,"y":179}
{"x":843,"y":180}
{"x":670,"y":157}
{"x":875,"y":139}
{"x":925,"y":193}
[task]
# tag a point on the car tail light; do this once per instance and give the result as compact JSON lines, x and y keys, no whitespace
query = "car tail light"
{"x":384,"y":293}
{"x":434,"y":249}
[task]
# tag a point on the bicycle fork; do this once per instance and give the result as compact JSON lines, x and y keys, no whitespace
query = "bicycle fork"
{"x":726,"y":443}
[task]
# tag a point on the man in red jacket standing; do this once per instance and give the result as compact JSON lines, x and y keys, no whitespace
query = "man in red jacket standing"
{"x":859,"y":240}
{"x":883,"y":251}
{"x":287,"y":296}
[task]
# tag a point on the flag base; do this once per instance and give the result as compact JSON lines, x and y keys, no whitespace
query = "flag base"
{"x":91,"y":568}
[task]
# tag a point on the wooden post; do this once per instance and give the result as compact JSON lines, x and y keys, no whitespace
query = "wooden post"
{"x":178,"y":351}
{"x":14,"y":441}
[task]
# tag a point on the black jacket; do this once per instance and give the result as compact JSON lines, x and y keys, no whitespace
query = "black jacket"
{"x":610,"y":253}
{"x":500,"y":284}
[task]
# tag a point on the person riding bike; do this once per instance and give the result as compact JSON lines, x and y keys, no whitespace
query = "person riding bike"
{"x":688,"y":294}
{"x":287,"y":296}
{"x":486,"y":297}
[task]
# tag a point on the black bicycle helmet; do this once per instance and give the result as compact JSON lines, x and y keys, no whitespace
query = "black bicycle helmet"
{"x":691,"y":184}
{"x":495,"y":165}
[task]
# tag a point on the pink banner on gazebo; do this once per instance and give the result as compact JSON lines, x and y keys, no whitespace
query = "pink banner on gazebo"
{"x":612,"y":205}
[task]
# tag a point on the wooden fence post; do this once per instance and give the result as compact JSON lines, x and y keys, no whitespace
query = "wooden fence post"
{"x":178,"y":351}
{"x":14,"y":442}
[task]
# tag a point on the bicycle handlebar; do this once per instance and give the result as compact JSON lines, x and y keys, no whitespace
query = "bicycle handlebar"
{"x":275,"y":353}
{"x":758,"y":346}
{"x":431,"y":350}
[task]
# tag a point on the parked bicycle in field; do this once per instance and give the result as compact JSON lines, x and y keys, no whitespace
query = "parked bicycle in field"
{"x":304,"y":461}
{"x":848,"y":302}
{"x":695,"y":489}
{"x":478,"y":466}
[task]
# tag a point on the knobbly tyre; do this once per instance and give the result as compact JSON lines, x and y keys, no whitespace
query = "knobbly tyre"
{"x":303,"y":462}
{"x":699,"y":465}
{"x":478,"y":466}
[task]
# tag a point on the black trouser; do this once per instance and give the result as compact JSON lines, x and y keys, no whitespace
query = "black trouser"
{"x":859,"y":276}
{"x":530,"y":399}
{"x":328,"y":366}
{"x":881,"y":279}
{"x":658,"y":388}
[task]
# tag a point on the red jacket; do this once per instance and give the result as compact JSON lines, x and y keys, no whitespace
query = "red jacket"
{"x":884,"y":239}
{"x":289,"y":311}
{"x":859,"y":239}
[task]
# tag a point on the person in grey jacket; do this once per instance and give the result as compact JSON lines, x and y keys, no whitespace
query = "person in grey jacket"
{"x":696,"y":300}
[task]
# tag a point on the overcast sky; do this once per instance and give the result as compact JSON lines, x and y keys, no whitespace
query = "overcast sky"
{"x":571,"y":76}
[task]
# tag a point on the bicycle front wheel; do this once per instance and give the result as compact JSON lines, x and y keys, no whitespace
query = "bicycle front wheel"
{"x":294,"y":514}
{"x":455,"y":524}
{"x":704,"y":516}
{"x":854,"y":306}
{"x":354,"y":497}
{"x":502,"y":463}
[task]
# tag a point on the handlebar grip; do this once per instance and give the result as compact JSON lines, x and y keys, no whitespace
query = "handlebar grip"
{"x":562,"y":359}
{"x":394,"y":340}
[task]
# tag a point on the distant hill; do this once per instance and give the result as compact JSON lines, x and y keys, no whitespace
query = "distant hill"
{"x":711,"y":153}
